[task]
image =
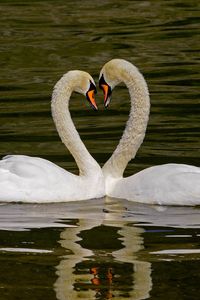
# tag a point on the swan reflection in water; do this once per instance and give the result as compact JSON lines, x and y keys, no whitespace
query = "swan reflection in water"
{"x":104,"y":242}
{"x":91,"y":270}
{"x":107,"y":255}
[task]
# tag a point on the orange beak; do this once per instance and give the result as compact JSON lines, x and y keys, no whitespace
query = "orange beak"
{"x":105,"y":91}
{"x":90,"y":96}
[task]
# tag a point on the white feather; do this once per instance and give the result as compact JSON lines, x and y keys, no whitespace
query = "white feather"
{"x":170,"y":184}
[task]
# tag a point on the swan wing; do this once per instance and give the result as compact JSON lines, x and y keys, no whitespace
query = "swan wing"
{"x":33,"y":179}
{"x":169,"y":184}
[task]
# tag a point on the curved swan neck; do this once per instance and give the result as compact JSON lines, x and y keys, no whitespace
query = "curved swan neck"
{"x":66,"y":129}
{"x":134,"y":132}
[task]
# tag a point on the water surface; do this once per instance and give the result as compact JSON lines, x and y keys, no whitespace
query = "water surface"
{"x":105,"y":248}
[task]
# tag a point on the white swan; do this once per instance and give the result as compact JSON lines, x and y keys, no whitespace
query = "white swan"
{"x":169,"y":184}
{"x":33,"y":179}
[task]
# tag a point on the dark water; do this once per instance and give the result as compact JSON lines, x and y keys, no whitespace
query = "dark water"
{"x":105,"y":248}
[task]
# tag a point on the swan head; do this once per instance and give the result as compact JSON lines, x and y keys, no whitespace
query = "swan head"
{"x":84,"y":84}
{"x":112,"y":73}
{"x":80,"y":82}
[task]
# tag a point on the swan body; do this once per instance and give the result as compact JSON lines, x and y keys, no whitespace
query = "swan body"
{"x":33,"y":179}
{"x":169,"y":184}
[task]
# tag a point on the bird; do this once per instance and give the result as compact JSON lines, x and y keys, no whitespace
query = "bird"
{"x":167,"y":184}
{"x":37,"y":180}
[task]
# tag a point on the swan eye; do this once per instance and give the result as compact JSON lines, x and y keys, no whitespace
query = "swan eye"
{"x":90,"y":95}
{"x":106,"y":90}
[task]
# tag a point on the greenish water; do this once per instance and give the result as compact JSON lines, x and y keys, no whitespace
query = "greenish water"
{"x":106,"y":248}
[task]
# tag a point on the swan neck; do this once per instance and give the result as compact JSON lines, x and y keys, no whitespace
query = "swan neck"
{"x":66,"y":129}
{"x":135,"y":129}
